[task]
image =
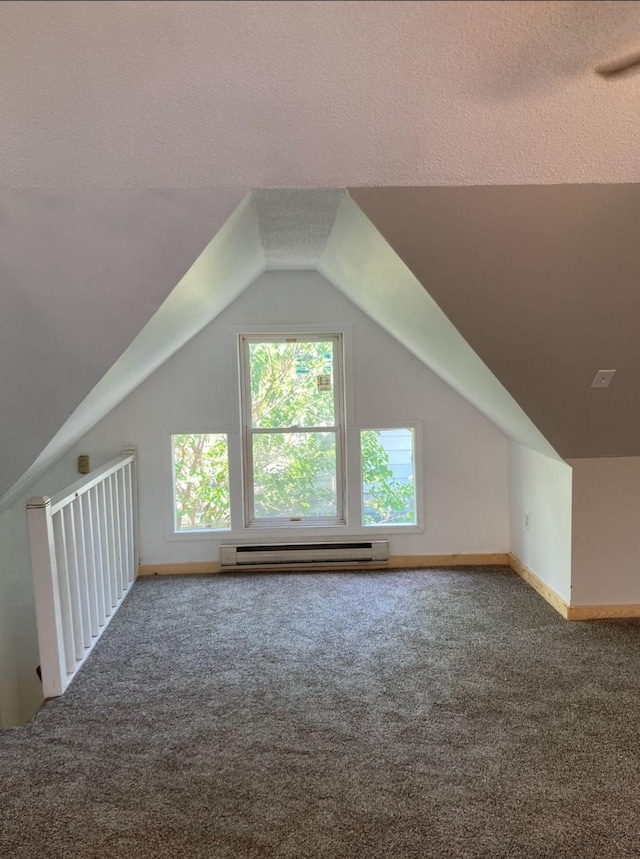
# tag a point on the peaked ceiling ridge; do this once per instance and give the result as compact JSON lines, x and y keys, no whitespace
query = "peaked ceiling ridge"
{"x":295,"y":224}
{"x":342,"y":245}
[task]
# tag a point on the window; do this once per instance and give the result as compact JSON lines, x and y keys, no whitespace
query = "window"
{"x":293,"y":429}
{"x":201,"y":482}
{"x":388,"y":476}
{"x":291,"y":464}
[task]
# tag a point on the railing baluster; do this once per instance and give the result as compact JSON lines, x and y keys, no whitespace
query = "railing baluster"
{"x":113,"y":558}
{"x":97,"y":552}
{"x":74,"y":582}
{"x":104,"y":545}
{"x":84,"y":559}
{"x":124,"y":549}
{"x":78,"y":519}
{"x":60,"y":539}
{"x":117,"y":542}
{"x":126,"y":480}
{"x":117,"y":505}
{"x":126,"y":507}
{"x":90,"y":561}
{"x":133,"y":476}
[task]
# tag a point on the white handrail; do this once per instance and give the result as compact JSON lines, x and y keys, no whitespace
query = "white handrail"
{"x":86,"y":483}
{"x":84,"y":560}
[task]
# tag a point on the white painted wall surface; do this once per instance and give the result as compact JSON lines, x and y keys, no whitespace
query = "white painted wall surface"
{"x":466,"y":478}
{"x":606,"y":531}
{"x":541,"y":487}
{"x":466,"y":458}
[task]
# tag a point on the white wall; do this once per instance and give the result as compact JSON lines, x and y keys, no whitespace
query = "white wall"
{"x":540,"y":488}
{"x":606,"y":531}
{"x":466,"y":479}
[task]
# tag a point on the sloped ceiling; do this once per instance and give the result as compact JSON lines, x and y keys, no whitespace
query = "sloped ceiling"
{"x":119,"y":120}
{"x":543,"y":282}
{"x":81,"y":273}
{"x":362,"y":265}
{"x":338,"y":240}
{"x":229,"y":263}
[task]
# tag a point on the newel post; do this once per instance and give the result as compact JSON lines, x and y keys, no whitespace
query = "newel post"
{"x":45,"y":586}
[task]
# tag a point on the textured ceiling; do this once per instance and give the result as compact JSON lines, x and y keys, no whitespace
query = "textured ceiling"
{"x":295,"y":225}
{"x":315,"y":94}
{"x":106,"y":108}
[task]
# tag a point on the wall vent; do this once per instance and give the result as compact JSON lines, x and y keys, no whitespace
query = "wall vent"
{"x":303,"y":554}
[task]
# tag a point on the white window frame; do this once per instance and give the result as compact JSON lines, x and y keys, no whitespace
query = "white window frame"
{"x":172,"y":530}
{"x":418,"y":469}
{"x":248,"y":431}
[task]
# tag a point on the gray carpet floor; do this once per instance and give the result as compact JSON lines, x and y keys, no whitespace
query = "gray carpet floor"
{"x":397,"y":714}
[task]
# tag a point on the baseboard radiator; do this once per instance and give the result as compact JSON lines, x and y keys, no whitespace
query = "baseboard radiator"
{"x":307,"y":555}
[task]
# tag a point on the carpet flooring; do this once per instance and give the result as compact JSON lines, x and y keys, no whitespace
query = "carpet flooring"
{"x":435,"y":713}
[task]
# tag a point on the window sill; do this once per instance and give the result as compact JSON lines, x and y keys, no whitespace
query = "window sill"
{"x":286,"y":534}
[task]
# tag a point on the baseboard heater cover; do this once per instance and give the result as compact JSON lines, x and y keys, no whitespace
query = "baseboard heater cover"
{"x":281,"y":554}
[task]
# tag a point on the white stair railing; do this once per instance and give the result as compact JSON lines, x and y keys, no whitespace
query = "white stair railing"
{"x":84,"y":560}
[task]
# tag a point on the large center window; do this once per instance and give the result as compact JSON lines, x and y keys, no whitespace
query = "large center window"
{"x":293,"y":429}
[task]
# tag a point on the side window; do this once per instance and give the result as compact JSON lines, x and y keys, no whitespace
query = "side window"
{"x":201,"y":482}
{"x":388,"y":476}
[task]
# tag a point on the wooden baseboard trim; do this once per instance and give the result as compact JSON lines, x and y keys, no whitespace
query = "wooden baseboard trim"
{"x":179,"y":569}
{"x":397,"y":562}
{"x":603,"y":612}
{"x":496,"y":559}
{"x":572,"y":612}
{"x":547,"y":593}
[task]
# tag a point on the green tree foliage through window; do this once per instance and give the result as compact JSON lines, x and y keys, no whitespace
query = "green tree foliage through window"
{"x":292,"y":388}
{"x":292,"y":412}
{"x":388,"y":494}
{"x":284,"y":384}
{"x":201,"y":482}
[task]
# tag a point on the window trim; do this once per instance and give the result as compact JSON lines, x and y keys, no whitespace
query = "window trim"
{"x":172,"y":513}
{"x":247,"y":431}
{"x":418,"y":469}
{"x":353,"y":466}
